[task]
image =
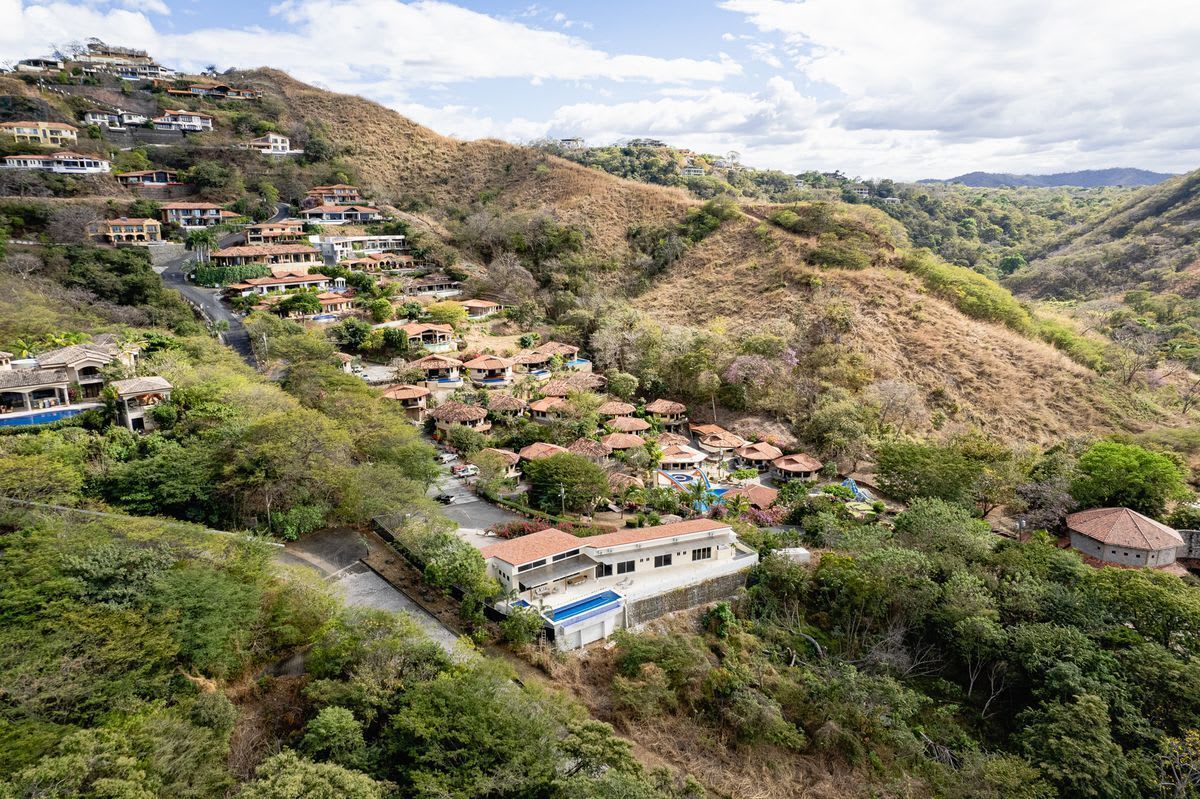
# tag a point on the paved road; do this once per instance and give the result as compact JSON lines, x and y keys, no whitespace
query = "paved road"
{"x":208,"y":301}
{"x":472,"y":514}
{"x":336,"y":554}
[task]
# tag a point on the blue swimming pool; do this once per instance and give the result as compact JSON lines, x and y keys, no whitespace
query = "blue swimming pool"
{"x":583,"y":606}
{"x":45,"y":417}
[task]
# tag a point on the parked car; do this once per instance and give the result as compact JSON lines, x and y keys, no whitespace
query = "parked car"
{"x":464,"y":470}
{"x":445,"y":499}
{"x":447,"y":457}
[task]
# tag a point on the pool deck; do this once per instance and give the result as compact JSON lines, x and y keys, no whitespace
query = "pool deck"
{"x":21,"y":418}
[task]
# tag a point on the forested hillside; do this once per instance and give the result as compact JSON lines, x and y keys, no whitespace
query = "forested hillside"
{"x":1087,"y":178}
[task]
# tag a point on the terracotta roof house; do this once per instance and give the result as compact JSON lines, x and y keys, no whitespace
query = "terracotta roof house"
{"x":135,"y":396}
{"x":431,"y":337}
{"x":616,"y":408}
{"x":1123,"y":537}
{"x":679,"y":457}
{"x":435,"y":285}
{"x":615,"y":441}
{"x":499,"y":402}
{"x":188,"y":214}
{"x":759,"y":496}
{"x":628,"y":424}
{"x":508,"y":457}
{"x":284,"y":231}
{"x":717,"y":441}
{"x":587,"y":448}
{"x":667,"y":414}
{"x":543,"y":410}
{"x":490,"y":370}
{"x":341,"y":214}
{"x":126,"y":230}
{"x":49,"y":134}
{"x":669,"y":439}
{"x":480,"y":309}
{"x":412,"y":398}
{"x":540,"y":449}
{"x":795,"y":467}
{"x":440,"y":371}
{"x":83,"y":364}
{"x":284,"y":282}
{"x":757,"y":455}
{"x":619,"y":481}
{"x":454,"y":412}
{"x":265,"y":254}
{"x":558,"y":388}
{"x":528,"y":548}
{"x":532,"y":362}
{"x":569,"y":354}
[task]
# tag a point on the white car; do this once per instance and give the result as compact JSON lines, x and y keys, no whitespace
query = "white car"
{"x":447,"y":457}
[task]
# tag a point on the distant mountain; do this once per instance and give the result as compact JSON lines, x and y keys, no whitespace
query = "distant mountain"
{"x":1086,"y":178}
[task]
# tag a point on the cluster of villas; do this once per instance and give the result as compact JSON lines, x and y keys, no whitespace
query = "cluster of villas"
{"x":70,"y":380}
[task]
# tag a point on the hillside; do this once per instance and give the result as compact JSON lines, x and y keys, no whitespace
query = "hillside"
{"x":1085,"y":178}
{"x":754,"y":275}
{"x":1150,"y":241}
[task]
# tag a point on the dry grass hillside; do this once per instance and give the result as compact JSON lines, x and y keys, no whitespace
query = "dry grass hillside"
{"x":979,"y":373}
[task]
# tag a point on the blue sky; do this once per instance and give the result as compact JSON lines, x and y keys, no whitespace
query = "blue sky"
{"x":876,"y":88}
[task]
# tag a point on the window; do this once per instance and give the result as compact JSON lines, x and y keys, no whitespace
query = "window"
{"x":604,"y":570}
{"x":703,"y":553}
{"x":532,"y":565}
{"x":566,"y":554}
{"x":662,"y":560}
{"x":626,"y":566}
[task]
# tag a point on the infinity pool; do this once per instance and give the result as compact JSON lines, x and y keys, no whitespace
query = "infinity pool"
{"x":583,"y":605}
{"x":46,"y":417}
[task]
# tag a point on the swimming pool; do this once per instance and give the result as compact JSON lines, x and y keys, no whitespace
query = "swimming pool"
{"x":583,"y":606}
{"x":45,"y":417}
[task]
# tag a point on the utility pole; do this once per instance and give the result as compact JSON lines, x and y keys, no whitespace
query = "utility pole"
{"x":562,"y":495}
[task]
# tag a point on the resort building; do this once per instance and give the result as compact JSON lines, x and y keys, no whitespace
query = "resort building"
{"x":592,"y":450}
{"x":490,"y":370}
{"x":440,"y":371}
{"x":480,"y":309}
{"x":49,"y":134}
{"x":435,"y":285}
{"x":509,"y":458}
{"x":341,"y":214}
{"x":379,"y":262}
{"x":412,"y":398}
{"x":616,"y":441}
{"x":568,"y":353}
{"x":680,"y":457}
{"x":60,"y":163}
{"x":539,"y":450}
{"x":292,"y":281}
{"x":83,"y":364}
{"x":759,"y":496}
{"x":285,"y":231}
{"x":265,"y":254}
{"x":184,"y":120}
{"x":191,"y":215}
{"x":126,"y":230}
{"x":432,"y":337}
{"x":614,"y":408}
{"x":1123,"y":537}
{"x":758,"y":455}
{"x":336,"y":194}
{"x":587,"y":588}
{"x":667,"y":414}
{"x":628,"y":424}
{"x":719,"y":443}
{"x":501,"y":404}
{"x":795,"y":467}
{"x":149,"y":179}
{"x":546,"y":409}
{"x":27,"y":390}
{"x":136,"y":396}
{"x":453,"y":413}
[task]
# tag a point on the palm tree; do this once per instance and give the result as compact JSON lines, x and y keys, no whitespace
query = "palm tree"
{"x":201,"y":241}
{"x":23,"y":347}
{"x":699,"y":496}
{"x":737,"y":505}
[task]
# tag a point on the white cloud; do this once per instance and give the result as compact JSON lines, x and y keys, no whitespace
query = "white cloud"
{"x":350,"y":44}
{"x":151,"y":6}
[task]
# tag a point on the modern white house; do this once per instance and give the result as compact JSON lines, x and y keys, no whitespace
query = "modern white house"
{"x":59,"y":163}
{"x":348,"y":248}
{"x":183,"y":120}
{"x":341,"y":214}
{"x":113,"y":120}
{"x":584,"y":588}
{"x":272,"y":144}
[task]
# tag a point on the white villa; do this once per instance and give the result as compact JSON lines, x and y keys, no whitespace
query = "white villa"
{"x":62,"y":163}
{"x":184,"y":120}
{"x":584,"y":587}
{"x":347,"y":248}
{"x":272,"y":144}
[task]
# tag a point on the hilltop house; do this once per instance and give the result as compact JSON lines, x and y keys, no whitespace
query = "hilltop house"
{"x":183,"y":120}
{"x":187,"y":214}
{"x":795,"y":467}
{"x":435,"y":285}
{"x":265,"y":254}
{"x":341,"y":214}
{"x":285,"y":231}
{"x":61,"y":163}
{"x":490,"y":370}
{"x":586,"y":588}
{"x":480,"y":309}
{"x":216,"y":91}
{"x":432,"y":337}
{"x":859,"y":191}
{"x":285,"y":282}
{"x":124,"y":62}
{"x":346,"y":248}
{"x":149,"y":179}
{"x":24,"y":390}
{"x":453,"y":413}
{"x":412,"y":398}
{"x":440,"y":371}
{"x":1123,"y":537}
{"x":693,"y":172}
{"x":83,"y":363}
{"x":272,"y":144}
{"x":379,"y":262}
{"x":545,"y":409}
{"x":46,"y":64}
{"x":49,"y":134}
{"x":126,"y":230}
{"x":667,"y":414}
{"x":113,"y":120}
{"x":135,"y":396}
{"x":336,"y":194}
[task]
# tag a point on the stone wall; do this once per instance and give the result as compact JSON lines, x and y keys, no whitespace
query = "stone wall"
{"x":1191,"y":544}
{"x":641,"y":611}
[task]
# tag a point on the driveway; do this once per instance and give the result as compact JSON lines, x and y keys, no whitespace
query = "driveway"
{"x":337,"y":555}
{"x":235,"y":238}
{"x":208,"y":302}
{"x":472,"y":514}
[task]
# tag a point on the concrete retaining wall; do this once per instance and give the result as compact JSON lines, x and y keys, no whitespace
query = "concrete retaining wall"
{"x":641,"y":611}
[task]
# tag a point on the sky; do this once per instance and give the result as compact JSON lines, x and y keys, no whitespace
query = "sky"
{"x":905,"y":89}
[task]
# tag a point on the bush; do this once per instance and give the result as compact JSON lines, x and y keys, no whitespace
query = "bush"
{"x":522,"y":626}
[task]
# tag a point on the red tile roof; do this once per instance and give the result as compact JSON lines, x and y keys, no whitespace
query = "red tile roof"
{"x":622,"y":441}
{"x":634,"y":535}
{"x":759,"y":451}
{"x":540,"y":449}
{"x":434,"y":362}
{"x":798,"y":462}
{"x":628,"y":424}
{"x":615,"y":408}
{"x":760,"y":496}
{"x":405,"y":392}
{"x":535,"y":546}
{"x":662,"y":406}
{"x":489,"y":362}
{"x":1123,"y":527}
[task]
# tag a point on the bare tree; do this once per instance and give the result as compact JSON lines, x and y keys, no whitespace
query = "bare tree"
{"x":68,"y":224}
{"x":899,"y":405}
{"x":1133,"y":352}
{"x":21,"y":264}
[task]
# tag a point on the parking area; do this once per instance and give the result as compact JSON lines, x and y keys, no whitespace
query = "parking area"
{"x":472,"y":514}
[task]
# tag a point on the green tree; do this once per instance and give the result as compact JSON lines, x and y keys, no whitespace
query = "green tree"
{"x":302,"y":302}
{"x":446,"y":313}
{"x":289,"y":776}
{"x":201,"y":242}
{"x":381,"y":309}
{"x":1070,"y":742}
{"x":565,"y":482}
{"x":336,"y":736}
{"x":1127,"y":475}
